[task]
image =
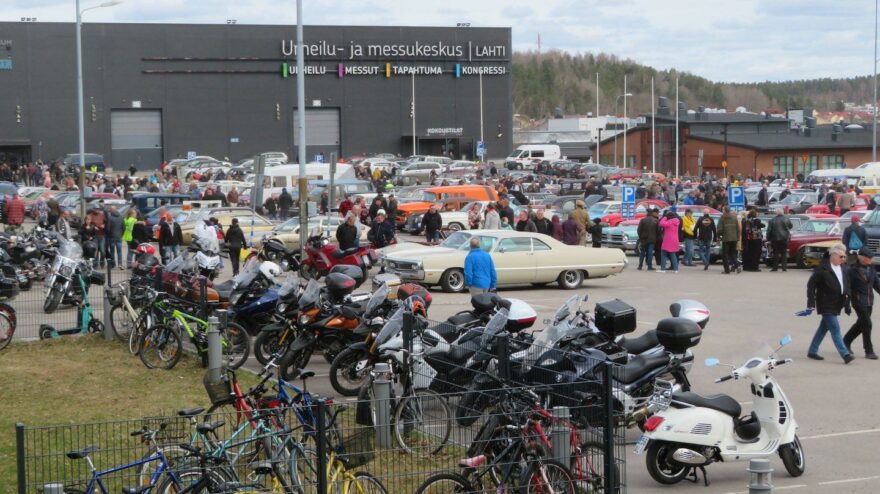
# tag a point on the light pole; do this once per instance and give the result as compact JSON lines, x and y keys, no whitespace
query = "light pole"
{"x":874,"y":126}
{"x":301,"y":124}
{"x":625,"y":121}
{"x":481,"y":115}
{"x":616,"y":106}
{"x":676,"y":126}
{"x":80,"y":103}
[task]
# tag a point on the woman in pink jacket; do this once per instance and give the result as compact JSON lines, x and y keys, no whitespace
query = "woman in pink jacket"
{"x":670,"y":246}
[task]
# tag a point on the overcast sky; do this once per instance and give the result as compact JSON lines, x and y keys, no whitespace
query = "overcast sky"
{"x":724,"y":40}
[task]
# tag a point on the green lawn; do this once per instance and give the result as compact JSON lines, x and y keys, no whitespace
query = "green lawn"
{"x":84,"y":379}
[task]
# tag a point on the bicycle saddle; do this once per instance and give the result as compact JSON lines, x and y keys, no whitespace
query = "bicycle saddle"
{"x":262,"y":468}
{"x":206,"y":427}
{"x":136,"y":490}
{"x":190,"y":412}
{"x":303,"y":374}
{"x":82,"y":453}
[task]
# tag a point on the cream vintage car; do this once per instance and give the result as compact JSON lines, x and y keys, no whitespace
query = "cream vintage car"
{"x":288,"y":232}
{"x":519,"y":257}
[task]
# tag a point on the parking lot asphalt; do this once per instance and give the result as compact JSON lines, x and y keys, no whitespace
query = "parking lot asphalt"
{"x":834,"y":404}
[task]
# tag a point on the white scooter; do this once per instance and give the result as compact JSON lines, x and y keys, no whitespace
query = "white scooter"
{"x":689,"y":431}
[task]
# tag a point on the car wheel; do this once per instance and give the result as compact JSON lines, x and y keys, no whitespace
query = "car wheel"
{"x":570,"y":279}
{"x":455,"y":227}
{"x":452,"y":280}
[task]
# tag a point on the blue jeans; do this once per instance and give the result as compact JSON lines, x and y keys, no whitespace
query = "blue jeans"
{"x":646,"y":252}
{"x":101,"y":255}
{"x":689,"y":251}
{"x":114,"y":250}
{"x":829,"y":324}
{"x":673,"y":260}
{"x":705,"y":252}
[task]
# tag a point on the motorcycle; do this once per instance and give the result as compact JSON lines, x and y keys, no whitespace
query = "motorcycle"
{"x":321,"y":256}
{"x":273,"y":249}
{"x":62,"y":285}
{"x":252,"y":295}
{"x":207,"y":258}
{"x":709,"y":428}
{"x":274,"y":338}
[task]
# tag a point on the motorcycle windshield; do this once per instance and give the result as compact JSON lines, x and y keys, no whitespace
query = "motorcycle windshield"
{"x":544,"y":341}
{"x":376,"y":300}
{"x":566,"y":309}
{"x":247,"y":274}
{"x":391,"y":327}
{"x":70,"y":249}
{"x":310,"y":295}
{"x":176,"y":265}
{"x":290,"y":284}
{"x":493,"y":327}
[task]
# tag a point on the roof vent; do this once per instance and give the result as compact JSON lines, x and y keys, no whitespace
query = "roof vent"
{"x":853,"y":128}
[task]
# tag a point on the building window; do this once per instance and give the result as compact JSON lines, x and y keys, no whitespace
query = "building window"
{"x":783,"y":165}
{"x":832,"y":161}
{"x":811,"y":165}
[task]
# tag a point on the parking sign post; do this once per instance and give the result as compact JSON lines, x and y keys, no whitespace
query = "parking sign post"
{"x":628,"y":203}
{"x":736,"y":198}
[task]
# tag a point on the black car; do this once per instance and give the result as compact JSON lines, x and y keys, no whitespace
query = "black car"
{"x":94,"y":163}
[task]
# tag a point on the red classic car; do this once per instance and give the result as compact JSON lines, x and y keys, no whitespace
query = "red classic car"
{"x":641,"y":209}
{"x":815,"y":230}
{"x":626,"y":174}
{"x":860,"y":204}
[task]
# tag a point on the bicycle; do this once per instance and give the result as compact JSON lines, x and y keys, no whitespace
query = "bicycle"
{"x":163,"y":471}
{"x":164,"y":339}
{"x":7,"y":325}
{"x":124,"y":315}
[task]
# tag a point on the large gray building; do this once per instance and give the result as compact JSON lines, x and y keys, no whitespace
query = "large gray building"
{"x":155,"y":92}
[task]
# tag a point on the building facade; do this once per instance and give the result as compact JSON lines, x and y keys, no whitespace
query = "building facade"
{"x":155,"y":92}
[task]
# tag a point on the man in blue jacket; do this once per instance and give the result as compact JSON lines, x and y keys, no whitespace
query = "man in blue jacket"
{"x":479,"y":270}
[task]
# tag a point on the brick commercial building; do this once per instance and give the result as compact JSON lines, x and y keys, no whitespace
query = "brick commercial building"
{"x":752,"y":145}
{"x":156,"y":91}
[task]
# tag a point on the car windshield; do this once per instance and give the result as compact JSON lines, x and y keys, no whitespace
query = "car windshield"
{"x":429,"y":196}
{"x":456,"y":240}
{"x":598,"y":209}
{"x":515,"y":153}
{"x":793,"y":199}
{"x":814,"y":226}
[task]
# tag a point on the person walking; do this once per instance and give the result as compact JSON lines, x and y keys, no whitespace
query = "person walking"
{"x":493,"y":219}
{"x":170,"y":237}
{"x":285,"y":201}
{"x":14,"y":213}
{"x":778,"y":234}
{"x":688,"y":223}
{"x":115,"y":229}
{"x":571,"y":230}
{"x":525,"y":224}
{"x":432,"y":222}
{"x":583,"y":218}
{"x":752,"y":238}
{"x":235,"y":241}
{"x":671,"y":243}
{"x":543,"y":225}
{"x":863,"y":282}
{"x":128,"y":236}
{"x":854,"y":238}
{"x":647,"y":232}
{"x":556,"y":228}
{"x":706,"y":233}
{"x":845,"y":200}
{"x":596,"y":233}
{"x":828,"y":292}
{"x":729,"y":227}
{"x":479,"y":269}
{"x":381,"y":231}
{"x":232,"y":196}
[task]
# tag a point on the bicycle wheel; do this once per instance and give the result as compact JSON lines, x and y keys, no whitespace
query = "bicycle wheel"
{"x":193,"y":481}
{"x":365,"y":483}
{"x":591,"y":469}
{"x":7,"y":330}
{"x":236,"y":346}
{"x":160,"y":347}
{"x":443,"y":483}
{"x":144,"y":321}
{"x":422,"y":422}
{"x":304,"y":470}
{"x":545,"y":476}
{"x":121,"y":322}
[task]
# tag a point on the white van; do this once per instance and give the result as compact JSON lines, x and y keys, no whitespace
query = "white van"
{"x":523,"y":156}
{"x":848,"y":175}
{"x":870,"y":179}
{"x":285,"y":176}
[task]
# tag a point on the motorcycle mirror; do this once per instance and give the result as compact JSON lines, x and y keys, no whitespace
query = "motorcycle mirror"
{"x":586,"y":297}
{"x":712,"y":362}
{"x":785,"y":340}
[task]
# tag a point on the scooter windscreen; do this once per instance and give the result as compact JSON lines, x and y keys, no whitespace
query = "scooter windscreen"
{"x":69,"y":249}
{"x":391,"y":327}
{"x":310,"y":295}
{"x":379,"y":296}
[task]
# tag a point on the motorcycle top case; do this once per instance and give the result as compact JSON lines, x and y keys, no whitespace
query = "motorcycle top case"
{"x":353,"y":272}
{"x":339,"y":285}
{"x":615,"y":317}
{"x":677,"y":334}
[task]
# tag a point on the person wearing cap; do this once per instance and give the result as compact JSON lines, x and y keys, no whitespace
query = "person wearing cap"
{"x":581,"y":216}
{"x":854,"y":238}
{"x":863,"y":282}
{"x":432,"y":222}
{"x":381,"y":231}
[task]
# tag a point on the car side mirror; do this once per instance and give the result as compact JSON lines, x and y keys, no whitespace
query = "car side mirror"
{"x":501,"y":250}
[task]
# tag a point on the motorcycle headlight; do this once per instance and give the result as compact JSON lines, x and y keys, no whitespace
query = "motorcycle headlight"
{"x":235,"y":298}
{"x":304,"y":319}
{"x":66,"y":271}
{"x":281,"y":308}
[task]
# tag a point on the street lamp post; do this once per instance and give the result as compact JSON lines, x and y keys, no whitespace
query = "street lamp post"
{"x":874,"y":126}
{"x":625,"y":121}
{"x":79,"y":102}
{"x":616,"y":107}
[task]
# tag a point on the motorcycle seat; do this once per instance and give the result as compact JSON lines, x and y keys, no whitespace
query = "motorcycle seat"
{"x":722,"y":403}
{"x":224,"y":290}
{"x":640,"y":344}
{"x":638,"y":367}
{"x":339,"y":253}
{"x":462,"y":318}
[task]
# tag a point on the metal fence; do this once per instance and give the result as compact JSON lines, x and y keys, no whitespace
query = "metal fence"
{"x":482,"y":430}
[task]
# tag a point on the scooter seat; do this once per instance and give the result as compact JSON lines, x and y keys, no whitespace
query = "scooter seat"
{"x":81,"y":453}
{"x":339,"y":253}
{"x":638,"y":367}
{"x":224,"y":290}
{"x":640,"y":344}
{"x":722,"y":403}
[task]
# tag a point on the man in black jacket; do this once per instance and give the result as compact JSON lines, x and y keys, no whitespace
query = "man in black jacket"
{"x":285,"y":201}
{"x":347,"y":233}
{"x":828,"y":293}
{"x":706,"y":234}
{"x":854,"y":238}
{"x":863,"y":281}
{"x":381,"y":231}
{"x":235,"y":241}
{"x":432,"y":222}
{"x":778,"y":234}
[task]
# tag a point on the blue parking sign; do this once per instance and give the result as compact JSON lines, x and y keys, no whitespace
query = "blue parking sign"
{"x":736,"y":198}
{"x":628,"y":202}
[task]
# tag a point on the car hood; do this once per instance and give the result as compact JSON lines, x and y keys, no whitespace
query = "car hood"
{"x":415,"y":206}
{"x":421,"y":253}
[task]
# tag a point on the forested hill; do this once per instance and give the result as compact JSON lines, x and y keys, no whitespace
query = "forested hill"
{"x":545,"y":81}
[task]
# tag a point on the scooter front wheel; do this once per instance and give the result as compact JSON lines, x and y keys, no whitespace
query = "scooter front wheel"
{"x":96,"y":326}
{"x":46,"y":331}
{"x":661,"y":466}
{"x":793,"y":457}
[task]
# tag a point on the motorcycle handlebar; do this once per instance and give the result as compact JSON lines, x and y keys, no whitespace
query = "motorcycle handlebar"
{"x":722,"y":379}
{"x":777,"y":363}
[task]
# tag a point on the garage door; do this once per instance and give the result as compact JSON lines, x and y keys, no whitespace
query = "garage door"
{"x":322,"y":131}
{"x":136,"y":139}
